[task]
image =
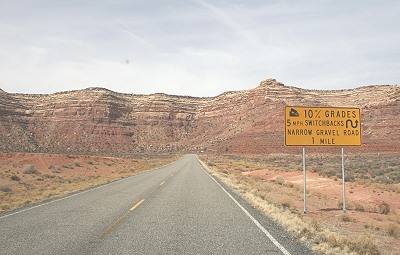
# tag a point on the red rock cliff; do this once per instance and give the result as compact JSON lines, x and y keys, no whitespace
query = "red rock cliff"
{"x":100,"y":121}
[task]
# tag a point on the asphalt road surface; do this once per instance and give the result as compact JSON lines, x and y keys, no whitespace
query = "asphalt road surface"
{"x":177,"y":209}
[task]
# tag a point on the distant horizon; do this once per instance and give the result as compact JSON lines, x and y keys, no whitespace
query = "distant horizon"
{"x":180,"y":95}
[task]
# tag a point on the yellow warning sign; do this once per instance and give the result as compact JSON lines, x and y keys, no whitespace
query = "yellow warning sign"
{"x":322,"y":126}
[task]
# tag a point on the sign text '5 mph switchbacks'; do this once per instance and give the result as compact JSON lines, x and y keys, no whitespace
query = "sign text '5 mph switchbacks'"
{"x":322,"y":126}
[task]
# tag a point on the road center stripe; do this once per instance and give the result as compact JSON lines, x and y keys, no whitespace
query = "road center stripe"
{"x":136,"y":205}
{"x":113,"y":226}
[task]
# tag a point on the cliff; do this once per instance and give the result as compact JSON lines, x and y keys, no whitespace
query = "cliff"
{"x":100,"y":121}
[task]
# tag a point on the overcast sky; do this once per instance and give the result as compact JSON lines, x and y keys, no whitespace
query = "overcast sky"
{"x":196,"y":47}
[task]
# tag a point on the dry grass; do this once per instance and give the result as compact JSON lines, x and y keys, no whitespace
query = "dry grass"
{"x":277,"y":198}
{"x":346,"y":218}
{"x":29,"y":169}
{"x":394,"y":230}
{"x":384,"y":208}
{"x":367,"y":168}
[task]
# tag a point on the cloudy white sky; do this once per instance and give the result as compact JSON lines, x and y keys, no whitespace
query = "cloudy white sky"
{"x":196,"y":47}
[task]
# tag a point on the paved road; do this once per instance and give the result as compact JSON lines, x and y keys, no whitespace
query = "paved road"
{"x":178,"y":209}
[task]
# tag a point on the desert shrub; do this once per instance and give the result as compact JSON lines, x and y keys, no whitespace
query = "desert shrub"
{"x":6,"y":189}
{"x":289,"y":184}
{"x":48,"y":176}
{"x":29,"y":169}
{"x":55,"y":169}
{"x":15,"y":178}
{"x":28,"y":186}
{"x":394,"y":230}
{"x":349,"y":177}
{"x":384,"y":208}
{"x":363,"y":245}
{"x":368,"y":226}
{"x":379,"y":168}
{"x":345,"y":217}
{"x":286,"y":205}
{"x":280,"y":180}
{"x":328,"y":172}
{"x":359,"y":208}
{"x":383,"y":179}
{"x":77,"y":163}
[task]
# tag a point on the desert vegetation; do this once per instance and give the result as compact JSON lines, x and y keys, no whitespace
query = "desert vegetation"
{"x":30,"y":178}
{"x":371,"y":168}
{"x":274,"y":184}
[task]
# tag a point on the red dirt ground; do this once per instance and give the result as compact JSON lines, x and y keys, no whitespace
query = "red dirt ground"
{"x":368,"y":196}
{"x":324,"y":196}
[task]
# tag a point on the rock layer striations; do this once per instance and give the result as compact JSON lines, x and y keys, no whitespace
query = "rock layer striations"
{"x":100,"y":121}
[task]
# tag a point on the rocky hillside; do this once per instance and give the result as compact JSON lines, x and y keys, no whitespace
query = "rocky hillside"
{"x":100,"y":121}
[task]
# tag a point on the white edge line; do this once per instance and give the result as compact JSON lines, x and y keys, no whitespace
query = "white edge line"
{"x":80,"y":192}
{"x":273,"y":240}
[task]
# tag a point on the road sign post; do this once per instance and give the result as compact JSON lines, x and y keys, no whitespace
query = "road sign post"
{"x":305,"y":180}
{"x":343,"y":182}
{"x":322,"y":126}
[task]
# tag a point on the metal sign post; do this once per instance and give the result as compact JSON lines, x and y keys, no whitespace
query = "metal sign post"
{"x":343,"y":182}
{"x":305,"y":179}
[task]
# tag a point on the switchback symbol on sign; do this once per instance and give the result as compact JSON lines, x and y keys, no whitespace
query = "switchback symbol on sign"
{"x":322,"y":126}
{"x":351,"y":123}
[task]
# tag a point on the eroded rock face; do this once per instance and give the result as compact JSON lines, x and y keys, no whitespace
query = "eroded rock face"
{"x":100,"y":121}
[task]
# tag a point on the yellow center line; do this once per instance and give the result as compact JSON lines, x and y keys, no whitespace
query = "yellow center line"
{"x":113,"y":226}
{"x":123,"y":218}
{"x":136,"y":205}
{"x":119,"y":221}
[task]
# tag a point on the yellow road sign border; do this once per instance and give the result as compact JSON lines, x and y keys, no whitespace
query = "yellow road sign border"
{"x":324,"y":108}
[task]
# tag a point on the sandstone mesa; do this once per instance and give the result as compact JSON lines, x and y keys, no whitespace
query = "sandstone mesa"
{"x":102,"y":122}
